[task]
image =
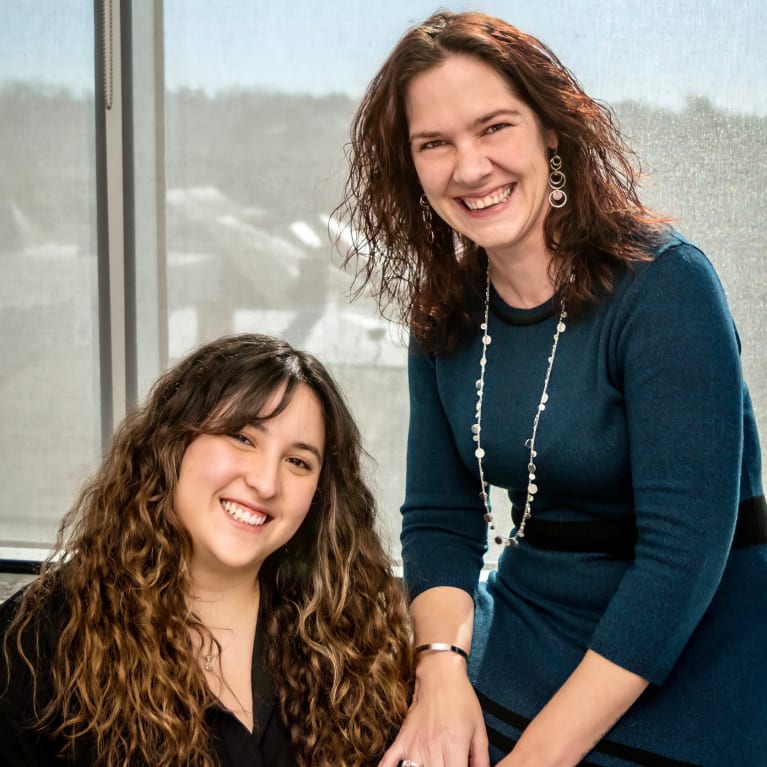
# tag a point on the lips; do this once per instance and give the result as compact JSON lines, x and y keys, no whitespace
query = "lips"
{"x":244,"y":514}
{"x":489,"y":200}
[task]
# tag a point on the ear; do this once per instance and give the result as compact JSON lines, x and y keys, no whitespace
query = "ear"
{"x":551,"y":137}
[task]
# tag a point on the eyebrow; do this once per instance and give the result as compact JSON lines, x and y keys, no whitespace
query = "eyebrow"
{"x":309,"y":448}
{"x":479,"y":121}
{"x":296,"y":445}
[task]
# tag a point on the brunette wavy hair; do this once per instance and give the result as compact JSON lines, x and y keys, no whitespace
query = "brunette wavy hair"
{"x":125,"y":670}
{"x":603,"y":224}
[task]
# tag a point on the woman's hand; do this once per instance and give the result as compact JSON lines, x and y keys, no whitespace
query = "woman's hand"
{"x":587,"y":705}
{"x":444,"y":727}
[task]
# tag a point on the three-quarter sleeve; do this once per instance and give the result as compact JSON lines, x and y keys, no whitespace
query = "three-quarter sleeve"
{"x":677,"y":353}
{"x":444,"y":535}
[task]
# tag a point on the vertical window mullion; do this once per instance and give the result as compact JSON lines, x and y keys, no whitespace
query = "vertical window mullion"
{"x":113,"y":212}
{"x":148,"y":228}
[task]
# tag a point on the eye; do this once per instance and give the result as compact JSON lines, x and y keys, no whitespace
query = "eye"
{"x":243,"y":439}
{"x":433,"y":144}
{"x":496,"y":127}
{"x":300,"y":463}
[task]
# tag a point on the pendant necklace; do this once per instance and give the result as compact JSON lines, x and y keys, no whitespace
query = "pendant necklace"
{"x":476,"y":429}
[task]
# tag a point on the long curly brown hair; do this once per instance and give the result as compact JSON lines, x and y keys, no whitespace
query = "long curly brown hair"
{"x":603,"y":224}
{"x":125,"y":671}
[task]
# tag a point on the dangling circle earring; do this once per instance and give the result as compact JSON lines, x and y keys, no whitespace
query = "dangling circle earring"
{"x":557,"y":179}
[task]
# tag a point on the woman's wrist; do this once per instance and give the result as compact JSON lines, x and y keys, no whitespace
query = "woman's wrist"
{"x":432,"y":647}
{"x":436,"y":667}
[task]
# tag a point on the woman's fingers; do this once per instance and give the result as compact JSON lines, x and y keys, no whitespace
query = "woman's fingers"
{"x":444,"y":728}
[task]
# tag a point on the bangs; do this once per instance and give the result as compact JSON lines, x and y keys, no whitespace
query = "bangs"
{"x":250,"y":404}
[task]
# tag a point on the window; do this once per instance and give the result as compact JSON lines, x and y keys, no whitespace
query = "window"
{"x":50,"y":375}
{"x":236,"y":114}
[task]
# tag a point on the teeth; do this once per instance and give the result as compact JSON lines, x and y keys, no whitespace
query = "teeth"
{"x":479,"y":203}
{"x":241,"y":514}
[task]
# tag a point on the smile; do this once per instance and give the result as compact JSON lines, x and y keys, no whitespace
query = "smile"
{"x":242,"y":514}
{"x":497,"y":197}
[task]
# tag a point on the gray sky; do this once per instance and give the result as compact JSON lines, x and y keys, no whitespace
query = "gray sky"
{"x":655,"y":51}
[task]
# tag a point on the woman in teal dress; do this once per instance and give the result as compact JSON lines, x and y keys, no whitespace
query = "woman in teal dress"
{"x":569,"y":347}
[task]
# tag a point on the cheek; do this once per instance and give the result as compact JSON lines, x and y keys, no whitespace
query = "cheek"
{"x":540,"y":167}
{"x":209,"y":462}
{"x":302,"y":504}
{"x":423,"y":179}
{"x":429,"y":171}
{"x":306,"y":502}
{"x":188,"y":485}
{"x":189,"y":479}
{"x":182,"y":504}
{"x":198,"y":480}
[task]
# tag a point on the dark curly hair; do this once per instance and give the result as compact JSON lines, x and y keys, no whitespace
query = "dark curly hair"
{"x":125,"y":671}
{"x":603,"y":224}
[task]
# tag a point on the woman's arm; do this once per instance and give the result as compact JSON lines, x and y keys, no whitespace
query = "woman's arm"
{"x":444,"y":727}
{"x":676,"y":360}
{"x":444,"y":537}
{"x":587,"y":705}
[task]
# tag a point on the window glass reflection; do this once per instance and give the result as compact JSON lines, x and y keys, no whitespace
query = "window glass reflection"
{"x":49,"y":403}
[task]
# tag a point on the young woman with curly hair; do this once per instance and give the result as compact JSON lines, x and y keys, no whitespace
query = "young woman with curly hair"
{"x":571,"y":349}
{"x":219,"y":594}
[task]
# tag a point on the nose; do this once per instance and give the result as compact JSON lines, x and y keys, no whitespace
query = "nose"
{"x":472,"y":165}
{"x":262,"y":474}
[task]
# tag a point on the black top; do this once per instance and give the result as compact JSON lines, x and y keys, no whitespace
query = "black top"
{"x":20,"y":746}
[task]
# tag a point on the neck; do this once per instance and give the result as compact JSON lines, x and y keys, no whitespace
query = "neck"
{"x":220,"y":601}
{"x":522,"y":283}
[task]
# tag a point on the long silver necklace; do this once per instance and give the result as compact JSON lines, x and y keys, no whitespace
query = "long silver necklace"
{"x":476,"y":429}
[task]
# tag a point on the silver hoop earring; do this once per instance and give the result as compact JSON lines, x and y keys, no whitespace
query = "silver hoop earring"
{"x":426,"y":216}
{"x":557,"y":179}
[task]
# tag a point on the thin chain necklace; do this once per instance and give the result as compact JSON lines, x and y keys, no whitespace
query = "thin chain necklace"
{"x":476,"y":429}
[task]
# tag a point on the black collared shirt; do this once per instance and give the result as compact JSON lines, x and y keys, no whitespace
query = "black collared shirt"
{"x":268,"y":745}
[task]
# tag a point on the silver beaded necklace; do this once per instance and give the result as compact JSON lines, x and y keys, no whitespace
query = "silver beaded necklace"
{"x":476,"y":429}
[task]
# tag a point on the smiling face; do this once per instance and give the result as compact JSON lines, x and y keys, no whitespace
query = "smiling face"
{"x":242,"y":496}
{"x":481,"y":156}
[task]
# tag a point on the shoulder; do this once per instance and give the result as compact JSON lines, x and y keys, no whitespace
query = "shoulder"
{"x":46,"y":615}
{"x":677,"y":259}
{"x":9,"y":609}
{"x":677,"y":277}
{"x":672,"y":307}
{"x":17,"y":680}
{"x":26,"y":686}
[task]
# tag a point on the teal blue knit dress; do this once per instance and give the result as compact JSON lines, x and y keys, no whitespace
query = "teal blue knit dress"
{"x":648,"y":429}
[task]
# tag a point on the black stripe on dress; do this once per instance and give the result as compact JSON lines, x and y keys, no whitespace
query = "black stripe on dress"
{"x":629,"y":754}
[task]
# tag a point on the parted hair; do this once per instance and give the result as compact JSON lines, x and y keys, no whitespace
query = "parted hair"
{"x":124,"y":670}
{"x":603,"y":225}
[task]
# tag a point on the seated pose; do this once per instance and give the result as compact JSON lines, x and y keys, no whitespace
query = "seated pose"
{"x":219,"y":595}
{"x":569,"y":347}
